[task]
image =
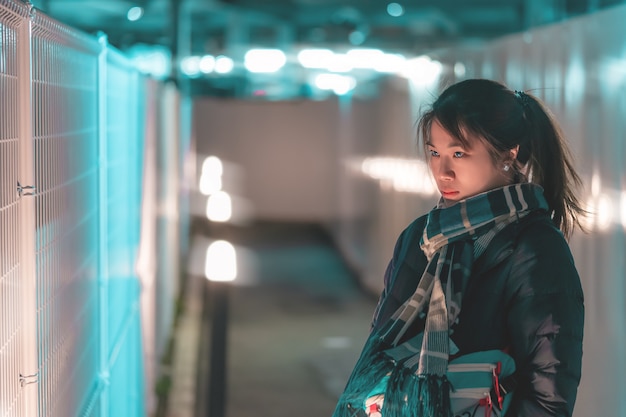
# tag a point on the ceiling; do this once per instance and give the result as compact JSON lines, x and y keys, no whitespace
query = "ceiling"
{"x":215,"y":27}
{"x":425,"y":24}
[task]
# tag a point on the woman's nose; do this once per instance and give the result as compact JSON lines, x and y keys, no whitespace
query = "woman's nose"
{"x":446,"y":172}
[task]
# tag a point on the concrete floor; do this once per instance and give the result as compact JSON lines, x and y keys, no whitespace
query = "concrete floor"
{"x":296,"y":323}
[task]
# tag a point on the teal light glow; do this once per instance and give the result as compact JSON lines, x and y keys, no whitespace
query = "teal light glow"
{"x":395,"y":9}
{"x":134,"y":13}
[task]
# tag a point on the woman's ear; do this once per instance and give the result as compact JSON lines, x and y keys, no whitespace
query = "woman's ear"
{"x":514,"y":153}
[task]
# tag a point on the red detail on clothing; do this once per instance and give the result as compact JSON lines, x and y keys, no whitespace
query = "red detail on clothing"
{"x":374,"y":408}
{"x":486,"y":402}
{"x":496,"y":384}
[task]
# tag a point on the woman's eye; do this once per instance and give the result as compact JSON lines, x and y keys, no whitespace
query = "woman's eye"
{"x":433,"y":153}
{"x":459,"y":154}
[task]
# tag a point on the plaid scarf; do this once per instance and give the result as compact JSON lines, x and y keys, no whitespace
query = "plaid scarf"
{"x":416,"y":367}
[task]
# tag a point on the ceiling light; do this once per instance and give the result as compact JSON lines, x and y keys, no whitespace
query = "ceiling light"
{"x":207,"y":64}
{"x":264,"y":60}
{"x":422,"y":70}
{"x":364,"y":58}
{"x":390,"y":63}
{"x":223,"y":64}
{"x":190,"y":66}
{"x":315,"y":58}
{"x":339,"y":84}
{"x":356,"y":37}
{"x":395,"y":9}
{"x":340,"y":63}
{"x":134,"y":13}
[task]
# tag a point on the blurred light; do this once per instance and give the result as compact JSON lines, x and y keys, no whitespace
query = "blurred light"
{"x":223,"y":64}
{"x":402,"y":175}
{"x":589,"y":220}
{"x":595,"y":184}
{"x":364,"y":58}
{"x":134,"y":14}
{"x":575,"y":78}
{"x":264,"y":60}
{"x":340,"y":63}
{"x":605,"y":212}
{"x":210,"y":184}
{"x":151,"y":59}
{"x":459,"y":69}
{"x":219,"y":207}
{"x":422,"y":70}
{"x":315,"y":58}
{"x":207,"y":64}
{"x":395,"y":9}
{"x":221,"y":261}
{"x":190,"y":66}
{"x":390,"y":63}
{"x":356,"y":37}
{"x":606,"y":207}
{"x":211,"y":175}
{"x":614,"y":73}
{"x":212,"y":165}
{"x":339,"y":84}
{"x":623,"y":209}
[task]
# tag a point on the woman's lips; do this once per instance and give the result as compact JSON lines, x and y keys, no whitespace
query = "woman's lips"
{"x":448,"y":194}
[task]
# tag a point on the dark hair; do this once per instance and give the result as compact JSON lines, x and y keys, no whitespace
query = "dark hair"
{"x":504,"y":119}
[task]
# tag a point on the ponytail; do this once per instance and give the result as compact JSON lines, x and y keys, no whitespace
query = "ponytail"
{"x":550,"y":164}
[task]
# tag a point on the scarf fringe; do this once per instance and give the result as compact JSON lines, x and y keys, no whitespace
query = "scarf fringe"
{"x":434,"y":396}
{"x":401,"y":394}
{"x":371,"y":368}
{"x":406,"y":394}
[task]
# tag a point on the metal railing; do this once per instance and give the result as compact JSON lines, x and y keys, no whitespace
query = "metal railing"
{"x":74,"y":175}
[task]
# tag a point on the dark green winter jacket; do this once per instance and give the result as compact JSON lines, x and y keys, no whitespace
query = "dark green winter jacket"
{"x":524,"y":296}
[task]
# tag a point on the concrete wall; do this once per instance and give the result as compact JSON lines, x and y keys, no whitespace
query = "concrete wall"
{"x":287,"y":150}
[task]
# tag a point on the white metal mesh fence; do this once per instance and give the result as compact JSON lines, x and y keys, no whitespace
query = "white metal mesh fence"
{"x":65,"y":151}
{"x":11,"y":321}
{"x":73,"y":125}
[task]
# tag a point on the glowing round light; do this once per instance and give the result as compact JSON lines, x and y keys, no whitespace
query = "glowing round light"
{"x":190,"y":66}
{"x":395,"y":9}
{"x":211,"y":176}
{"x":459,"y":69}
{"x":623,"y":209}
{"x":134,"y":13}
{"x":264,"y":60}
{"x":219,"y":207}
{"x":315,"y":58}
{"x":356,"y":37}
{"x":207,"y":64}
{"x":223,"y":64}
{"x":212,"y":165}
{"x":339,"y":84}
{"x":422,"y":70}
{"x":221,"y":261}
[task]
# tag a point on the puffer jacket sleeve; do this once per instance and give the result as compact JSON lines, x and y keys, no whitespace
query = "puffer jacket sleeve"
{"x":389,"y":271}
{"x":545,"y":321}
{"x":407,"y":261}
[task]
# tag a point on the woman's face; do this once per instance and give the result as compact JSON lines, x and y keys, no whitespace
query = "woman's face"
{"x":462,"y":172}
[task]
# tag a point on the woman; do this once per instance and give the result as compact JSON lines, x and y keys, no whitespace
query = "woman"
{"x":486,"y":272}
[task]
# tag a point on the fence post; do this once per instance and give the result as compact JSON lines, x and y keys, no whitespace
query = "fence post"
{"x":103,"y":246}
{"x":26,"y":188}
